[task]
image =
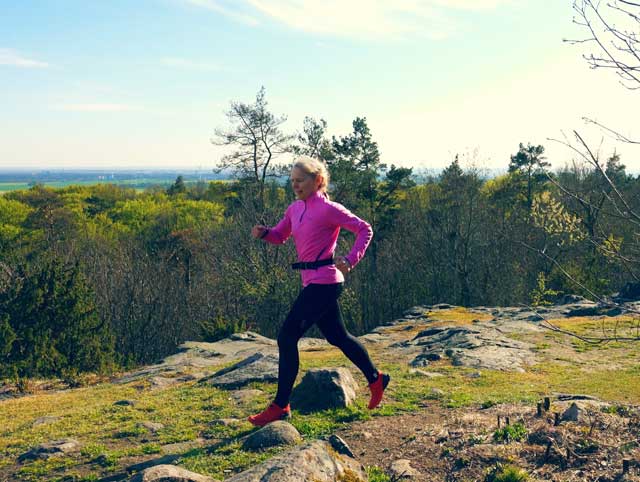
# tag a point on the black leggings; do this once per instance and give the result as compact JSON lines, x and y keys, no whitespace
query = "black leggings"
{"x":317,"y":304}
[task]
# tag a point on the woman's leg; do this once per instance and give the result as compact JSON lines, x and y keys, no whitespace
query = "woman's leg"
{"x":311,"y":304}
{"x":332,"y":327}
{"x":335,"y":332}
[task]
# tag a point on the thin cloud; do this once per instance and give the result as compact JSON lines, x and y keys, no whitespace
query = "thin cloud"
{"x":363,"y":18}
{"x":95,"y":107}
{"x":12,"y":58}
{"x":190,"y":64}
{"x":233,"y":13}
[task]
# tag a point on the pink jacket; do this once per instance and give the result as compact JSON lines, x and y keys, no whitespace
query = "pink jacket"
{"x":315,"y":224}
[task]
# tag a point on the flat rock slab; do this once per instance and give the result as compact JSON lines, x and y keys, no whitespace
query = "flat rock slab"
{"x":256,"y":368}
{"x":478,"y":346}
{"x":274,"y":434}
{"x":315,"y":461}
{"x":169,"y":473}
{"x":55,"y":448}
{"x":202,"y":355}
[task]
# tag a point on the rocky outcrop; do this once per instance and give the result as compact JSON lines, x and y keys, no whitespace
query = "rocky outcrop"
{"x":198,"y":355}
{"x":478,"y":346}
{"x":56,"y":448}
{"x":256,"y":368}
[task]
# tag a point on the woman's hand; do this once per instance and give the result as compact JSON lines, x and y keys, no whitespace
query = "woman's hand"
{"x":258,"y":231}
{"x":343,"y":265}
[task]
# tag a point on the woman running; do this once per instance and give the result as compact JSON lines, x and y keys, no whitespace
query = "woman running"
{"x":315,"y":223}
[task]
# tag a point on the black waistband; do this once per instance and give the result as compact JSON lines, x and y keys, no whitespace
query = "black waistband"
{"x":312,"y":264}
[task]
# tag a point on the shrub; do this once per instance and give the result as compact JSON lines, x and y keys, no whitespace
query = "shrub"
{"x":510,"y":433}
{"x":506,"y":473}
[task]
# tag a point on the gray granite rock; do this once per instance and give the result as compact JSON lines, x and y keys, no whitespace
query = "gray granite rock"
{"x":256,"y":368}
{"x":315,"y":461}
{"x":401,"y":470}
{"x":55,"y":448}
{"x":324,"y":388}
{"x":169,"y":473}
{"x":271,"y":435}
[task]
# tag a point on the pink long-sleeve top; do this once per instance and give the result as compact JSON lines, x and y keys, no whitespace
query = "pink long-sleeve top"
{"x":315,"y":224}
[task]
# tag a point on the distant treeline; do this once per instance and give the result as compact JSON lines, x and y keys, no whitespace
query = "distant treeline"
{"x":94,"y":278}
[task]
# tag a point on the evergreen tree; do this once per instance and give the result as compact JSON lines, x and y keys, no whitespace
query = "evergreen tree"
{"x":177,"y":187}
{"x":530,"y":163}
{"x":50,"y":325}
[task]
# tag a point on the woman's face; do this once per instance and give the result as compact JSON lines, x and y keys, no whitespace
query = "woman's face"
{"x":303,"y":184}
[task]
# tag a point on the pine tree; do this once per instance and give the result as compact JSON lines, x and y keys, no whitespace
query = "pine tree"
{"x":51,"y":325}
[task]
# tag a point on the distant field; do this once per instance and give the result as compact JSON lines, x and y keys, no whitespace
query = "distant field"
{"x":135,"y":183}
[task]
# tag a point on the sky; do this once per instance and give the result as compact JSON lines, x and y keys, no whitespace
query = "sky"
{"x":135,"y":84}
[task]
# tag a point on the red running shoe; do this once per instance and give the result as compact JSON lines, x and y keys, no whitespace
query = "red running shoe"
{"x":271,"y":414}
{"x":377,"y":388}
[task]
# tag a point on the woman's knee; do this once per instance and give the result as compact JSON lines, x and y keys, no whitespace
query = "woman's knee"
{"x":339,"y":340}
{"x":286,"y":340}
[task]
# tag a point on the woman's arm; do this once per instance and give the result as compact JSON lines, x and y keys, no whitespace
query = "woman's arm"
{"x":362,"y":229}
{"x":279,"y":233}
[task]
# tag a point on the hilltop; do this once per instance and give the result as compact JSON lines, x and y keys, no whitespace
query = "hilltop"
{"x":463,"y":405}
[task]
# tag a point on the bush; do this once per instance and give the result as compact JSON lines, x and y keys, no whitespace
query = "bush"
{"x":510,"y":433}
{"x":506,"y":473}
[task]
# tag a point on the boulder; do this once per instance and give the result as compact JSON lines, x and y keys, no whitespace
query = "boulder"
{"x":324,"y":388}
{"x":315,"y":461}
{"x":169,"y":473}
{"x":274,"y":434}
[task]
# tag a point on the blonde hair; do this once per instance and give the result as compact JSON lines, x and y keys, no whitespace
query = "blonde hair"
{"x":314,"y":168}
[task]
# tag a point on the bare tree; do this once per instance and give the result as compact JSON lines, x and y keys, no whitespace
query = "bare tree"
{"x":613,"y":32}
{"x":257,"y":139}
{"x":613,"y":28}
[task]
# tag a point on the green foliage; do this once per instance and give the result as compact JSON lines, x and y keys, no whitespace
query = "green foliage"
{"x":506,"y":473}
{"x":376,"y":474}
{"x":178,"y":187}
{"x":510,"y":433}
{"x":541,"y":295}
{"x":219,"y":328}
{"x":50,"y":325}
{"x":551,"y":216}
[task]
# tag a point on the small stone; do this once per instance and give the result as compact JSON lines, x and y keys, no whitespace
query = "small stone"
{"x":401,"y":469}
{"x":474,"y":375}
{"x":572,"y":413}
{"x":126,"y":403}
{"x":340,"y":446}
{"x":417,"y":371}
{"x":152,"y":427}
{"x":45,"y":420}
{"x":226,"y":422}
{"x":437,"y":393}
